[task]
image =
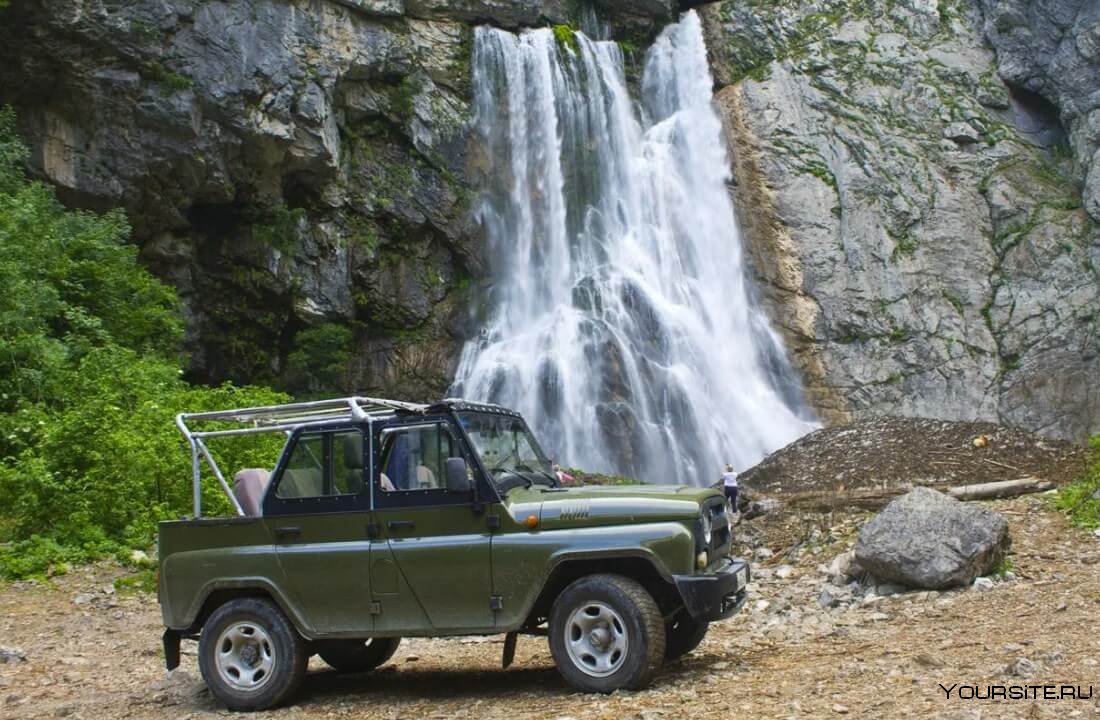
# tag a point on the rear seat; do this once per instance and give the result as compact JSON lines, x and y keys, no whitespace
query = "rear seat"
{"x":249,"y":486}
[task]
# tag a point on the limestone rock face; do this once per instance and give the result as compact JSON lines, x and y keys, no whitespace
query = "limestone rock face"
{"x":297,"y":168}
{"x":1052,"y":48}
{"x":925,"y":539}
{"x":915,"y":224}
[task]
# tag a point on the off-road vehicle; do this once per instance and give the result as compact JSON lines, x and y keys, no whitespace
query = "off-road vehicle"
{"x":385,"y":519}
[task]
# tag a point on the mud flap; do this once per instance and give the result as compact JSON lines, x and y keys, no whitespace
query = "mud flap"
{"x":171,"y":639}
{"x":509,"y":649}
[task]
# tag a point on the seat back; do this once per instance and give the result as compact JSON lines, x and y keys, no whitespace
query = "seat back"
{"x":353,"y":462}
{"x":249,"y":486}
{"x":301,"y":483}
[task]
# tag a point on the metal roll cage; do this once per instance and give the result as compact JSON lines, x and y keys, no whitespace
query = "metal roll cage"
{"x":276,"y":418}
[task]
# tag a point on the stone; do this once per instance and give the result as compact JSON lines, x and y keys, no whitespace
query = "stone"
{"x":925,"y":539}
{"x":83,"y":598}
{"x":140,"y":558}
{"x":1021,"y":667}
{"x":784,"y":571}
{"x":844,"y":566}
{"x":961,"y":133}
{"x":982,"y":584}
{"x":12,"y":654}
{"x":929,"y":661}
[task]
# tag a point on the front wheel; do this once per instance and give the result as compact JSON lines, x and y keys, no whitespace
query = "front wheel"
{"x":250,"y":656}
{"x":683,"y":635}
{"x":356,"y":656}
{"x":606,"y":633}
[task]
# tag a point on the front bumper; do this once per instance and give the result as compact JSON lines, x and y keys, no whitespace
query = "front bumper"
{"x":716,"y":595}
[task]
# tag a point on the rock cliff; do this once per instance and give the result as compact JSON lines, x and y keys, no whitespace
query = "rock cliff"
{"x":918,"y":181}
{"x":914,"y":204}
{"x":297,"y":168}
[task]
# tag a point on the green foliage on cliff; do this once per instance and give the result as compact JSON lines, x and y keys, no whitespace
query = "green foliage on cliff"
{"x":90,"y":379}
{"x":566,"y":36}
{"x":318,"y":364}
{"x":1081,"y":500}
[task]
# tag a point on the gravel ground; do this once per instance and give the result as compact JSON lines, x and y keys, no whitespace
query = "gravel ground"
{"x":93,"y":653}
{"x":900,"y":452}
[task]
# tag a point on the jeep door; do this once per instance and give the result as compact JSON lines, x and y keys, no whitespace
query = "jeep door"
{"x":437,"y":564}
{"x":318,"y":509}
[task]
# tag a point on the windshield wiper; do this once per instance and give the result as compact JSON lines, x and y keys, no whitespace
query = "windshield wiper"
{"x":526,"y":480}
{"x":553,"y":480}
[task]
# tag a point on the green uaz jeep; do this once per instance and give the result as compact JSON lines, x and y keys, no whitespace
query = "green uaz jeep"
{"x":383,"y":520}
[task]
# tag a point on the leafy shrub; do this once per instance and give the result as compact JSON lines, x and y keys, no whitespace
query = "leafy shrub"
{"x":1081,"y":499}
{"x":90,"y":381}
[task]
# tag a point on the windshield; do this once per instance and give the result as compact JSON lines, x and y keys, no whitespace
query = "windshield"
{"x":506,"y":447}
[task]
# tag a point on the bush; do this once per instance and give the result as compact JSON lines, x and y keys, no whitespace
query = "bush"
{"x":90,"y":381}
{"x":1081,"y":499}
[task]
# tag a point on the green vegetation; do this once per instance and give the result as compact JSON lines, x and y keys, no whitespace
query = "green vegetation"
{"x":1081,"y":499}
{"x":586,"y":478}
{"x":566,"y":36}
{"x":281,"y":230}
{"x":320,"y":359}
{"x":90,"y":379}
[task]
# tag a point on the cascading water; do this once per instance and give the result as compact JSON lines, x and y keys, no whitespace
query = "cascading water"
{"x":619,"y":321}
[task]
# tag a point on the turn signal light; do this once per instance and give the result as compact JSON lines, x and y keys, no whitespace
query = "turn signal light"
{"x":531,"y":522}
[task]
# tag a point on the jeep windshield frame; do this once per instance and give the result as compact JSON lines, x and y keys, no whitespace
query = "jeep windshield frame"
{"x":506,"y":449}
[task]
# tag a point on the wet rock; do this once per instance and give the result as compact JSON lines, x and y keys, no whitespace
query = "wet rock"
{"x":925,"y":539}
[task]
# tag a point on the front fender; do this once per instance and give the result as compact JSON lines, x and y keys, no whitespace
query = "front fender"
{"x":523,"y":562}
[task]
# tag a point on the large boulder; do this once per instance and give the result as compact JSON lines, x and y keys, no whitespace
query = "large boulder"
{"x":925,"y":539}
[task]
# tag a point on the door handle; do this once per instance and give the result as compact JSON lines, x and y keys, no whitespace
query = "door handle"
{"x":287,"y":532}
{"x":400,"y":524}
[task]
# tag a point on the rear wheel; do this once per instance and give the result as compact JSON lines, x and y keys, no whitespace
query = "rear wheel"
{"x":606,"y":633}
{"x":356,"y":656}
{"x":683,"y":635}
{"x":250,"y":656}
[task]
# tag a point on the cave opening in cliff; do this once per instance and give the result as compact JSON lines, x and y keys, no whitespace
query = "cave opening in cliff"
{"x":1038,"y":119}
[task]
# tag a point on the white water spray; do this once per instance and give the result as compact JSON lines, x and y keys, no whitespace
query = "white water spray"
{"x":619,"y":321}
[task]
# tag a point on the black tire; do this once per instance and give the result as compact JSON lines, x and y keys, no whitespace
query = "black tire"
{"x":585,"y":654}
{"x":356,"y":656}
{"x":249,"y":634}
{"x":683,"y":635}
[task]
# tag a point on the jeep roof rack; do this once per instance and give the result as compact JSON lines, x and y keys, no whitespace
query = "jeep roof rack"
{"x":274,"y":418}
{"x":288,"y":417}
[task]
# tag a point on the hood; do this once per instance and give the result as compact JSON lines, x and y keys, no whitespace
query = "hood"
{"x":608,"y":504}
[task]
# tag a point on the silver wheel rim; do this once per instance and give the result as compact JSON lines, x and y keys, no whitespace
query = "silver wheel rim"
{"x":245,"y":657}
{"x":596,"y":639}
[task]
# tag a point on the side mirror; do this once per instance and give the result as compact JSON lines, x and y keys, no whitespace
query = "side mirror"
{"x":458,"y":480}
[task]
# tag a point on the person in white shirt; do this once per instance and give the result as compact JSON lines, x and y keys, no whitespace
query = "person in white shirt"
{"x":729,"y":486}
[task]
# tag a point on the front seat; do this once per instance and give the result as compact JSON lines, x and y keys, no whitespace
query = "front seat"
{"x":353,"y":462}
{"x":249,"y":486}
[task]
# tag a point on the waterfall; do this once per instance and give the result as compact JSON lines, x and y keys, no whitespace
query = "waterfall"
{"x":619,"y":320}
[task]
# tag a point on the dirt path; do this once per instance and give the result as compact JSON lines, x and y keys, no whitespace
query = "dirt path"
{"x":792,"y":659}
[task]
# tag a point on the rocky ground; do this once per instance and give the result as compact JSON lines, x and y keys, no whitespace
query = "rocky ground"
{"x":78,"y":648}
{"x":913,"y":451}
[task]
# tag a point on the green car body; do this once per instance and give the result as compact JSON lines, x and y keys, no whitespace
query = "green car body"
{"x":480,"y":558}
